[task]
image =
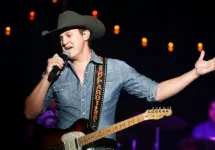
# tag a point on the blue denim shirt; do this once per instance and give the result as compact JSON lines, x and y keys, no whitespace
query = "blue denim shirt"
{"x":73,"y":99}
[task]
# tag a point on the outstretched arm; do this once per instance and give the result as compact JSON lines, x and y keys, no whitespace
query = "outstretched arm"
{"x":173,"y":86}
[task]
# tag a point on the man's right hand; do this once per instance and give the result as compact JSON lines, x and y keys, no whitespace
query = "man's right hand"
{"x":56,"y":60}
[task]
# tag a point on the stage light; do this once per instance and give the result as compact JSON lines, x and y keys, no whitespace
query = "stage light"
{"x":54,"y":1}
{"x":200,"y":47}
{"x":116,"y":29}
{"x":7,"y":31}
{"x":134,"y":144}
{"x":7,"y":28}
{"x":144,"y":41}
{"x":95,"y":14}
{"x":32,"y":15}
{"x":170,"y":47}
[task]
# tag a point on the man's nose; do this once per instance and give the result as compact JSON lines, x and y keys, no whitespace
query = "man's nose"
{"x":64,"y":44}
{"x":64,"y":41}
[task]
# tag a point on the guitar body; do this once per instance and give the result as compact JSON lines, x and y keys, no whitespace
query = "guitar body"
{"x":64,"y":139}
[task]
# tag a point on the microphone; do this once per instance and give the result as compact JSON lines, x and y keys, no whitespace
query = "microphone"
{"x":65,"y":56}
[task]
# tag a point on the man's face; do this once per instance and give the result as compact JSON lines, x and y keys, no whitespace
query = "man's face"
{"x":73,"y":41}
{"x":211,"y":111}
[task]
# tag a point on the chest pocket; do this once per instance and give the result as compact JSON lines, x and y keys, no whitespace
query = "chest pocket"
{"x":112,"y":77}
{"x":63,"y":94}
{"x":112,"y":87}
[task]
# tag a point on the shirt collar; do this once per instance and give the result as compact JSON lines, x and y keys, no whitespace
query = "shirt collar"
{"x":95,"y":58}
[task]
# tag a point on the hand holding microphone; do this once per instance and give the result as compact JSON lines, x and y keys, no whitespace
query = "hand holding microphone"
{"x":56,"y":64}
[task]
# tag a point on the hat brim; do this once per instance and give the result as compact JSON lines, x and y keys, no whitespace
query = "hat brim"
{"x":94,"y":25}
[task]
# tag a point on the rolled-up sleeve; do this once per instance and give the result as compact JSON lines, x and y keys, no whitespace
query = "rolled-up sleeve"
{"x":137,"y":84}
{"x":49,"y":97}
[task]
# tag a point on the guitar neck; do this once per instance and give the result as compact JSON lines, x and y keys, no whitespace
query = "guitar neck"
{"x":94,"y":136}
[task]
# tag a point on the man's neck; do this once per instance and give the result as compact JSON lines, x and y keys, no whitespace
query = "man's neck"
{"x":84,"y":58}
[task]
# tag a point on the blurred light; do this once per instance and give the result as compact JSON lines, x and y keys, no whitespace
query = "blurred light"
{"x":199,"y":47}
{"x":144,"y":42}
{"x":31,"y":18}
{"x":144,"y":39}
{"x":170,"y":46}
{"x":7,"y":31}
{"x":134,"y":143}
{"x":95,"y":14}
{"x":212,"y":138}
{"x":32,"y":15}
{"x":116,"y":29}
{"x":7,"y":28}
{"x":54,"y":1}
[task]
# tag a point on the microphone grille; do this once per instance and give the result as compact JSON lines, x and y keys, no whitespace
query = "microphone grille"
{"x":67,"y":52}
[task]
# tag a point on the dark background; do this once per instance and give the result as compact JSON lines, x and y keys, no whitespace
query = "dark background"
{"x":24,"y":55}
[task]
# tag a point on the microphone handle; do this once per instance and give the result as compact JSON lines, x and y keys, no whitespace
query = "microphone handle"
{"x":53,"y":73}
{"x":55,"y":69}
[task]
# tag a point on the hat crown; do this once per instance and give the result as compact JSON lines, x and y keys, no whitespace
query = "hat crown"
{"x":69,"y":18}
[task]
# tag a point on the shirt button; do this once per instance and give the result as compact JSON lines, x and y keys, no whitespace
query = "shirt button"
{"x":83,"y":113}
{"x":82,"y":99}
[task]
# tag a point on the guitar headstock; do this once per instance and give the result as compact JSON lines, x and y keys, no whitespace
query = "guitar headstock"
{"x":157,"y":113}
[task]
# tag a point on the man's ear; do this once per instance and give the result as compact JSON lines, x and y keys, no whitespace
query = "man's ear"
{"x":86,"y":34}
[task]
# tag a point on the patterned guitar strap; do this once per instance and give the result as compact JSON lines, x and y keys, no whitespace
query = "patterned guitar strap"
{"x":99,"y":80}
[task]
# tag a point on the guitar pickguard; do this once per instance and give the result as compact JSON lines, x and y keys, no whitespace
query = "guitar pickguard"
{"x":70,"y":140}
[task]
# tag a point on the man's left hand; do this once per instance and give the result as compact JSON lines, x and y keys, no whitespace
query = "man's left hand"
{"x":202,"y":66}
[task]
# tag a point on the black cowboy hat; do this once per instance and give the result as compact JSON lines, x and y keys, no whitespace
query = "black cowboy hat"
{"x":71,"y":20}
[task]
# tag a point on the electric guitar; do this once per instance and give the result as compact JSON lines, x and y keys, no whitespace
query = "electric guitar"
{"x":77,"y":136}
